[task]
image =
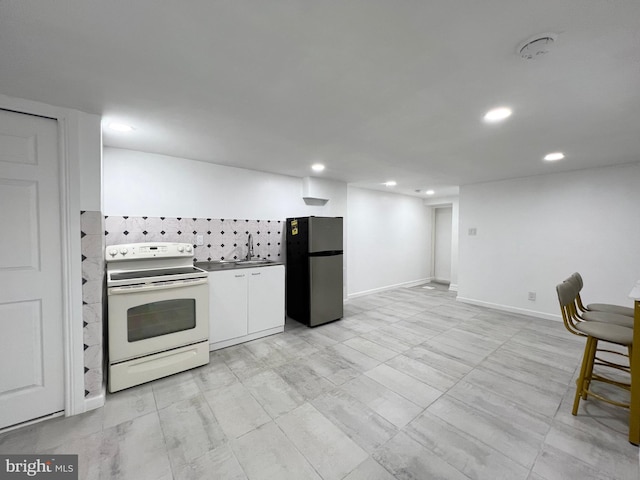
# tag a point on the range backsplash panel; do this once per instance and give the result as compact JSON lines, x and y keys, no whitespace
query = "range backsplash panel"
{"x":93,"y":281}
{"x":223,"y":239}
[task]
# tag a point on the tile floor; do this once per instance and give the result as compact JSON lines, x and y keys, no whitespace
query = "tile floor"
{"x":410,"y":384}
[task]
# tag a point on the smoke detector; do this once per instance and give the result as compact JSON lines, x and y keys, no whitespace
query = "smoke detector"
{"x":536,"y":46}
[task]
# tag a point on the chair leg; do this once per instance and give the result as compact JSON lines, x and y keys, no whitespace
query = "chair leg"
{"x":589,"y":373}
{"x":580,"y":383}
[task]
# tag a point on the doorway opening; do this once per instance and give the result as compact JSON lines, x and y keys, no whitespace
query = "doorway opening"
{"x":442,"y":237}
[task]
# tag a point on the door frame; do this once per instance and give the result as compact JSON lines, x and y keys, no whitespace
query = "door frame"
{"x":433,"y":238}
{"x":433,"y":241}
{"x":69,"y":132}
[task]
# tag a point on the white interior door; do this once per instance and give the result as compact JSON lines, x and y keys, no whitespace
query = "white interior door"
{"x":31,"y":327}
{"x":442,"y":245}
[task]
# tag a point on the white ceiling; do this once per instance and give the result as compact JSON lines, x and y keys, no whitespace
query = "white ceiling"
{"x":375,"y":89}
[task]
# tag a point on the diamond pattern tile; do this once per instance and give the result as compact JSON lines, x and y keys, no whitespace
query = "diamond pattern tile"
{"x":223,"y":238}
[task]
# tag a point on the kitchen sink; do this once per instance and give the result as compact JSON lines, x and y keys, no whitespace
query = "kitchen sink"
{"x":257,"y":261}
{"x":231,"y":264}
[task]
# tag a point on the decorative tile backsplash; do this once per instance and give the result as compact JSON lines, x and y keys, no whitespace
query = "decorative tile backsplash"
{"x":93,"y":281}
{"x":223,"y":239}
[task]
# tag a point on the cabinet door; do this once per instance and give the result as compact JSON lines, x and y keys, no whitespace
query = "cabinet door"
{"x":266,"y":298}
{"x":227,"y":305}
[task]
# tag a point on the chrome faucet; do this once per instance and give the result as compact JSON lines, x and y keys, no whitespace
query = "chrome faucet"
{"x":249,"y":247}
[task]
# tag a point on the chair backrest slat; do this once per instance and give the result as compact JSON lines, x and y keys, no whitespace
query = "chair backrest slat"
{"x":567,"y":293}
{"x":576,"y":279}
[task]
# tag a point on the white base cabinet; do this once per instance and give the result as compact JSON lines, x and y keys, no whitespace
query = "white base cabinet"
{"x":245,"y":304}
{"x":227,"y":305}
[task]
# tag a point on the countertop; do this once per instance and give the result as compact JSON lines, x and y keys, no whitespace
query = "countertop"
{"x":218,"y":266}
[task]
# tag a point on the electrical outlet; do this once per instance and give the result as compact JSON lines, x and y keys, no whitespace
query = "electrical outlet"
{"x":532,"y":296}
{"x":199,"y":239}
{"x":473,"y":231}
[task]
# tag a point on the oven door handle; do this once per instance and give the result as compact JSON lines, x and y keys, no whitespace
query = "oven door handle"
{"x":163,"y":286}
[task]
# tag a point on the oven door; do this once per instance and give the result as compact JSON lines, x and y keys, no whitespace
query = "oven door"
{"x":146,"y":319}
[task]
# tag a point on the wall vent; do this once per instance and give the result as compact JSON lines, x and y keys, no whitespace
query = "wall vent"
{"x":537,"y":46}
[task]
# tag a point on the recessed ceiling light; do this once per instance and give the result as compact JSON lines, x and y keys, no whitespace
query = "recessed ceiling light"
{"x":429,"y":192}
{"x":497,"y":114}
{"x":317,"y":167}
{"x":390,"y":183}
{"x":120,"y":127}
{"x":552,"y":157}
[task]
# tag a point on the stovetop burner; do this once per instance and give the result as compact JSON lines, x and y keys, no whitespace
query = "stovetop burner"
{"x":146,"y":263}
{"x":135,"y":274}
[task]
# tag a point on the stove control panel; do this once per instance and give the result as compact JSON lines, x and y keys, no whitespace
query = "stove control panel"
{"x":134,"y":251}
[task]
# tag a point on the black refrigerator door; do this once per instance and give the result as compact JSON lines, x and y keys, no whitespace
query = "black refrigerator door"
{"x":325,"y":288}
{"x":298,"y":269}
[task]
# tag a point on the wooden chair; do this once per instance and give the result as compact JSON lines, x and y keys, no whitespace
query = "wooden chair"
{"x":598,"y":307}
{"x":594,"y":332}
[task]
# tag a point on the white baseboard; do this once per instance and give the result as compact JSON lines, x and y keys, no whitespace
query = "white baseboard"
{"x":94,"y":402}
{"x":245,"y":338}
{"x":413,"y":283}
{"x":453,"y":287}
{"x":507,"y":308}
{"x":30,"y":422}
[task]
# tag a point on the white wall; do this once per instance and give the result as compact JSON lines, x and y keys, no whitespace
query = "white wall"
{"x":89,"y":145}
{"x":534,"y":232}
{"x":387,"y":236}
{"x":146,"y":184}
{"x":389,"y":240}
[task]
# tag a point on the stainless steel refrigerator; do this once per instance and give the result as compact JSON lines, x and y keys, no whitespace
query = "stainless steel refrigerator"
{"x":314,"y":269}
